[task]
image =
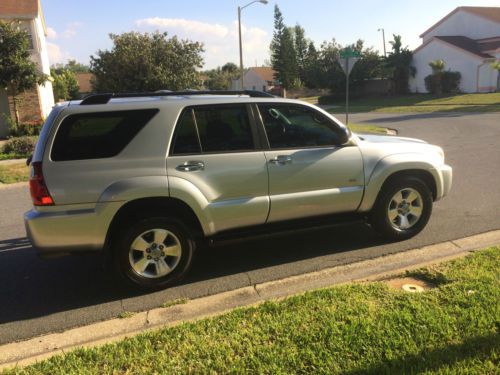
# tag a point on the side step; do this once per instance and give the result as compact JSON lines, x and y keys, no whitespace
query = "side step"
{"x":283,"y":228}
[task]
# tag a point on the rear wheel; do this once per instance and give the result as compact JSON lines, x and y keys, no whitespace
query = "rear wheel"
{"x":402,"y":209}
{"x":153,"y":253}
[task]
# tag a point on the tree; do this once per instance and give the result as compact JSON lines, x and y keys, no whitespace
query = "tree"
{"x":73,"y":66}
{"x":283,"y":55}
{"x":399,"y":63}
{"x":65,"y":84}
{"x":301,"y":50}
{"x":230,"y":68}
{"x":220,"y":78}
{"x":17,"y":72}
{"x":147,"y":62}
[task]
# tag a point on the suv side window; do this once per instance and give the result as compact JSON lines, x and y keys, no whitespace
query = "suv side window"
{"x":296,"y":126}
{"x":98,"y":135}
{"x":213,"y":128}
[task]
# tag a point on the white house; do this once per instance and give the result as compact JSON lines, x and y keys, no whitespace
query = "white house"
{"x":257,"y":78}
{"x":468,"y":41}
{"x":35,"y":105}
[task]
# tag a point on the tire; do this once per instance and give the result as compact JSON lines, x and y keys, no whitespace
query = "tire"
{"x":153,"y":253}
{"x":402,"y":209}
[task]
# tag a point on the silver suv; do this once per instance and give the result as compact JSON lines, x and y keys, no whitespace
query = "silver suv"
{"x":149,"y":177}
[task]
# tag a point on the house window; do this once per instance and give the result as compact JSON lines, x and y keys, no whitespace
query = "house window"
{"x":30,"y":39}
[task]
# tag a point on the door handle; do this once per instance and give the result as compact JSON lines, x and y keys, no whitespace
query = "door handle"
{"x":281,"y":159}
{"x":190,"y":166}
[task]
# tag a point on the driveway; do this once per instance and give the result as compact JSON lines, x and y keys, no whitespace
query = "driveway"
{"x":45,"y":296}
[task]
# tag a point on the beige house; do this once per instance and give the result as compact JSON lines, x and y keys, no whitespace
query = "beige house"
{"x":468,"y":40}
{"x":35,"y":105}
{"x":259,"y":78}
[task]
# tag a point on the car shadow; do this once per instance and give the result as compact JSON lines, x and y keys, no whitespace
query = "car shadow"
{"x":34,"y":288}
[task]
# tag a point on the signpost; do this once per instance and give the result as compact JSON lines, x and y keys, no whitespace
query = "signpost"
{"x":348,"y":57}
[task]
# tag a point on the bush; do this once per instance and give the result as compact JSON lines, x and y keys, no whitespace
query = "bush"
{"x":450,"y":81}
{"x":443,"y":82}
{"x":20,"y":146}
{"x":31,"y":128}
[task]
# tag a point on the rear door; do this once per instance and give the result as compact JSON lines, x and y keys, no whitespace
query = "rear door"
{"x":310,"y":172}
{"x":215,"y":152}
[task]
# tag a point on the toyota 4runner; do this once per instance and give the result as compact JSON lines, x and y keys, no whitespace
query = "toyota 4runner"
{"x":147,"y":178}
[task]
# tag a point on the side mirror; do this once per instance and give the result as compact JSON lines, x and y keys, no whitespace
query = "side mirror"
{"x":28,"y":161}
{"x":344,"y":135}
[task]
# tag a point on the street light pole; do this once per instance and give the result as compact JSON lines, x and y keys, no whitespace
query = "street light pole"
{"x":239,"y":33}
{"x":383,"y":40}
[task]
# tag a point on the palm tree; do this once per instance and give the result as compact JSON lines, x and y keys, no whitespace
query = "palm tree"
{"x":399,"y":63}
{"x":437,"y":67}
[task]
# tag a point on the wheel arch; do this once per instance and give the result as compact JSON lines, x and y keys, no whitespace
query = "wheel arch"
{"x":379,"y":181}
{"x":137,"y":208}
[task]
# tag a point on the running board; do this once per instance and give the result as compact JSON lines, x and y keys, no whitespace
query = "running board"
{"x":283,"y":228}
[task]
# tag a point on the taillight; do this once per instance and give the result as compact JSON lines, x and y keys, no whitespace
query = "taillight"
{"x":39,"y":192}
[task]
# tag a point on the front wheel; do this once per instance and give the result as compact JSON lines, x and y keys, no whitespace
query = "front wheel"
{"x":402,"y":209}
{"x":154,"y":253}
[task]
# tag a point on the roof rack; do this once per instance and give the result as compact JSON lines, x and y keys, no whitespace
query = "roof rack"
{"x":106,"y":97}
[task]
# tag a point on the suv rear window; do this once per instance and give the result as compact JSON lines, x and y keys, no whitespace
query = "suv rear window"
{"x":98,"y":135}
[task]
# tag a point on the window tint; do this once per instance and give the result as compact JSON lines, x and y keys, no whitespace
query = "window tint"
{"x":185,"y":138}
{"x":98,"y":135}
{"x":295,"y":126}
{"x":219,"y":128}
{"x":224,"y":128}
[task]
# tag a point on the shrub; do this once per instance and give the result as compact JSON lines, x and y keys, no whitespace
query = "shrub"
{"x":443,"y":82}
{"x":28,"y":128}
{"x":450,"y":81}
{"x":20,"y":146}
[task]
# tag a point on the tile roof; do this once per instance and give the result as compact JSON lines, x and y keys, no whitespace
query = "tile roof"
{"x":467,"y":44}
{"x":264,"y":72}
{"x":19,"y":8}
{"x":491,"y":13}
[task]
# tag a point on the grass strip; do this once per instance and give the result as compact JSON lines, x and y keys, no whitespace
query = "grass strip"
{"x":14,"y":172}
{"x":351,"y":329}
{"x":489,"y":102}
{"x":367,"y":129}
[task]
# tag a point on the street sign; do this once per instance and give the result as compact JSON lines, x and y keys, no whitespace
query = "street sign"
{"x":348,"y":57}
{"x":347,"y":63}
{"x":348,"y":53}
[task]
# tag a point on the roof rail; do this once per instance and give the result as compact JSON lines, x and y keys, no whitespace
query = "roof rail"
{"x":106,"y":97}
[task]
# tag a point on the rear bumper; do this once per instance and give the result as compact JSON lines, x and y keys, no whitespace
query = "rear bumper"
{"x":54,"y":230}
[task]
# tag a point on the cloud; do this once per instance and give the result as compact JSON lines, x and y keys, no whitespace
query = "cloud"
{"x":71,"y":29}
{"x":56,"y":55}
{"x":51,"y":33}
{"x":220,"y":41}
{"x":189,"y":26}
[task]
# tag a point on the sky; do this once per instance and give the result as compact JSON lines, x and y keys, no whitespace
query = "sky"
{"x":78,"y":29}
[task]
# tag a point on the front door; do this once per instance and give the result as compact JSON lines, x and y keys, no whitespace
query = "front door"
{"x":310,"y":173}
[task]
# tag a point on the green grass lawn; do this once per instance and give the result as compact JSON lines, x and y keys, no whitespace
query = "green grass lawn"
{"x":423,"y":103}
{"x":370,"y":129}
{"x":14,"y":172}
{"x":363,"y":328}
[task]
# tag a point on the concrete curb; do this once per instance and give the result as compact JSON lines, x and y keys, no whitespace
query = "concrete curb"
{"x":36,"y":349}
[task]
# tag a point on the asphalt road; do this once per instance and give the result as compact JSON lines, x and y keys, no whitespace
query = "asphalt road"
{"x":38,"y":296}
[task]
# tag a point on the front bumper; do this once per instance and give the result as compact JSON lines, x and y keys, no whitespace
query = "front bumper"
{"x":446,"y":177}
{"x":60,"y":229}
